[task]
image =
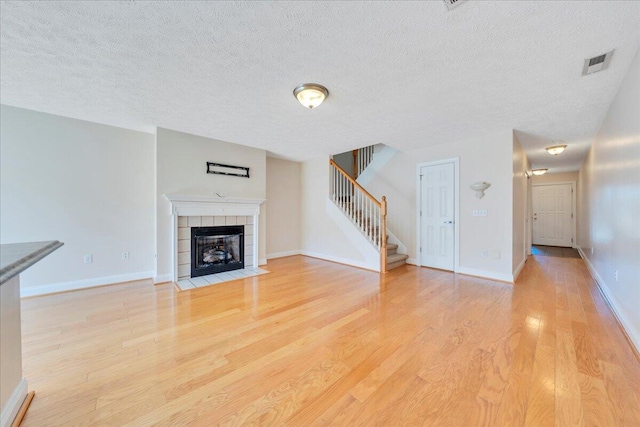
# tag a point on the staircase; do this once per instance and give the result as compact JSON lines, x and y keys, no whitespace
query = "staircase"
{"x":395,"y":259}
{"x":365,"y":211}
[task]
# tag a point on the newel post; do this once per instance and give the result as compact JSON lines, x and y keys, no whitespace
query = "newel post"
{"x":355,"y":164}
{"x":383,"y":235}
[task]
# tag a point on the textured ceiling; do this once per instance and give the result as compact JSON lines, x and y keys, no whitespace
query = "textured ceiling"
{"x":406,"y":74}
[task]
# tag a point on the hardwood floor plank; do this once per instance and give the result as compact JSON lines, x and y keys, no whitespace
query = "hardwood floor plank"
{"x":541,"y":402}
{"x":317,"y":343}
{"x":568,"y":407}
{"x":624,"y":402}
{"x":597,"y":408}
{"x":332,"y":394}
{"x":586,"y":358}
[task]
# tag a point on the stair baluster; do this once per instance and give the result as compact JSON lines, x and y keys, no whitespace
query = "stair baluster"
{"x":364,"y":210}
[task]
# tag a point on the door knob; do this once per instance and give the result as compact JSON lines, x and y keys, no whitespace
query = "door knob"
{"x":447,"y":222}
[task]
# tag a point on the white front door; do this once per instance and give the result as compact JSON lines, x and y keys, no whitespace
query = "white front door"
{"x":552,"y":215}
{"x":437,"y":214}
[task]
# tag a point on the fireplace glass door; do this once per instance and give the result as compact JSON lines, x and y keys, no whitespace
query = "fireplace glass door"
{"x":216,"y":249}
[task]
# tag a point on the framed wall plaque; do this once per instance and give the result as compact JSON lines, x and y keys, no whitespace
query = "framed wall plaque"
{"x":220,"y":169}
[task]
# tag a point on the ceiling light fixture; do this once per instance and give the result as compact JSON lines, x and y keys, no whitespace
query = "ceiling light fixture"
{"x":539,"y":171}
{"x":556,"y":149}
{"x":310,"y":94}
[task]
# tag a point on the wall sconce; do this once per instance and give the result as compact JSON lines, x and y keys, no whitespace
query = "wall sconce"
{"x":479,"y":188}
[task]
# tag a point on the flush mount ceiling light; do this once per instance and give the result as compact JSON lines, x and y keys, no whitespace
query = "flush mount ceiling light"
{"x":539,"y":171}
{"x":310,"y":94}
{"x":555,"y":149}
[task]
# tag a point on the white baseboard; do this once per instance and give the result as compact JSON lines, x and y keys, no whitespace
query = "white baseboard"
{"x":83,"y":284}
{"x":412,"y":261}
{"x":282,"y":254}
{"x":339,"y":260}
{"x":262,"y":261}
{"x":519,"y":269}
{"x":485,"y":274}
{"x":163,"y":278}
{"x":13,"y":404}
{"x":632,"y":333}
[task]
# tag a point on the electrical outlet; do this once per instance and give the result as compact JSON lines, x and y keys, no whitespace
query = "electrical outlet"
{"x":485,"y":253}
{"x":616,"y":275}
{"x":125,"y":255}
{"x":479,"y":212}
{"x":496,"y":254}
{"x":88,"y":259}
{"x":592,"y":250}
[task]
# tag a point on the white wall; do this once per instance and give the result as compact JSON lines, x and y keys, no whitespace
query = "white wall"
{"x":320,"y":236}
{"x":484,"y":158}
{"x":521,"y":224}
{"x":345,"y":161}
{"x":85,"y":184}
{"x":181,"y":165}
{"x":554,"y":178}
{"x":609,"y":203}
{"x":283,"y":207}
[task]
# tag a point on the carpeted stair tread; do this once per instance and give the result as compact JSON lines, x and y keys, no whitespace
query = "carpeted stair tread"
{"x":396,"y":258}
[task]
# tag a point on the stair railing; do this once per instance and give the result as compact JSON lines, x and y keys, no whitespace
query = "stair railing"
{"x":364,"y":210}
{"x":361,"y":159}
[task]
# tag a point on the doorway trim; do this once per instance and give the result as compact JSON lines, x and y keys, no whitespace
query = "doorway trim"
{"x":574,"y":219}
{"x":456,"y":209}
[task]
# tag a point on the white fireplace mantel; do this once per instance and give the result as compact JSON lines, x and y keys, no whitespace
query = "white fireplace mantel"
{"x":188,"y":205}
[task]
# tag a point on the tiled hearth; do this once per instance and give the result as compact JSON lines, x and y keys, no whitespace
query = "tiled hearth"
{"x":184,"y":238}
{"x":214,"y":279}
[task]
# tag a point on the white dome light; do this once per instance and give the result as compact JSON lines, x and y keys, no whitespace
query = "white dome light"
{"x":311,"y":94}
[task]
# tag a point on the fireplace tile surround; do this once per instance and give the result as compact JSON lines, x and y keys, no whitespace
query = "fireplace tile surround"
{"x":185,"y":223}
{"x":190,"y":211}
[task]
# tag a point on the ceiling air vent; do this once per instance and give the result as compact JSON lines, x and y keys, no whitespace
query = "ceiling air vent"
{"x":597,"y":63}
{"x":453,"y":3}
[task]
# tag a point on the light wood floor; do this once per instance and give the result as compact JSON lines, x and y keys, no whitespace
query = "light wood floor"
{"x":317,"y":343}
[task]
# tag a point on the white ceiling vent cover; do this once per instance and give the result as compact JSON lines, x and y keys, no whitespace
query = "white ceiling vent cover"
{"x":597,"y":63}
{"x":453,"y":3}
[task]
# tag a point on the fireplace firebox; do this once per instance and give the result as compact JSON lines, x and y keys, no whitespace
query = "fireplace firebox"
{"x":216,"y":249}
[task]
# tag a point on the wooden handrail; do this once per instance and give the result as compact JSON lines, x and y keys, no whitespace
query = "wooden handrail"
{"x":382,"y":231}
{"x":353,"y":181}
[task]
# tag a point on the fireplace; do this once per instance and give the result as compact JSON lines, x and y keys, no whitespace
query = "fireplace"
{"x":216,"y":249}
{"x":189,"y":211}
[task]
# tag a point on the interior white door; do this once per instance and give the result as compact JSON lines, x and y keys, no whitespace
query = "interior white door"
{"x":437,"y":214}
{"x":552,"y":215}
